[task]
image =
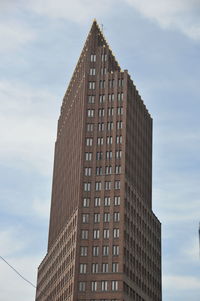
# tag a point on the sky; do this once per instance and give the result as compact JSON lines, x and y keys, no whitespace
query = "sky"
{"x":159,"y":43}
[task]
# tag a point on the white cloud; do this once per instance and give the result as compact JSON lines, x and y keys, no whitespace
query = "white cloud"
{"x":28,"y":123}
{"x":181,"y":282}
{"x":78,"y":10}
{"x":14,"y":35}
{"x":179,"y":14}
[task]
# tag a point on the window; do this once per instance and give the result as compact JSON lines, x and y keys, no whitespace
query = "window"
{"x":102,"y":84}
{"x":101,"y":112}
{"x":92,"y":85}
{"x":111,"y":97}
{"x":100,"y":126}
{"x":83,"y":251}
{"x":95,"y":251}
{"x":117,"y":169}
{"x":88,"y":171}
{"x":89,"y":141}
{"x":119,"y":110}
{"x":104,"y":267}
{"x":99,"y":155}
{"x":117,"y":184}
{"x":116,"y":233}
{"x":118,"y":154}
{"x":103,"y":57}
{"x":115,"y":267}
{"x":96,"y":234}
{"x":116,"y":200}
{"x":91,"y":99}
{"x":107,"y":201}
{"x":107,"y":185}
{"x":88,"y":156}
{"x":120,"y":96}
{"x":98,"y":171}
{"x":103,"y":71}
{"x":97,"y":202}
{"x":109,"y":126}
{"x":110,"y":111}
{"x":106,"y":233}
{"x":109,"y":155}
{"x":120,"y":82}
{"x":108,"y":170}
{"x":82,"y":268}
{"x":114,"y":285}
{"x":87,"y":186}
{"x":81,"y":286}
{"x":106,"y":217}
{"x":92,"y":71}
{"x":95,"y":267}
{"x":97,"y":186}
{"x":94,"y":286}
{"x":100,"y":141}
{"x":89,"y":127}
{"x":90,"y":113}
{"x":118,"y":139}
{"x":93,"y":58}
{"x":96,"y":218}
{"x":109,"y":140}
{"x":116,"y":216}
{"x":115,"y":250}
{"x":119,"y":125}
{"x":85,"y":218}
{"x":111,"y":83}
{"x":86,"y":202}
{"x":84,"y":234}
{"x":101,"y":98}
{"x":105,"y":250}
{"x":104,"y":285}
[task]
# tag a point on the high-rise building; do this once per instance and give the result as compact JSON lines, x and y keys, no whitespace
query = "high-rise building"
{"x":104,"y":239}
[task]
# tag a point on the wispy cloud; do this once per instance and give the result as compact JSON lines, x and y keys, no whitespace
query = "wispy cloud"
{"x":27,"y":126}
{"x":173,"y":14}
{"x":181,"y":282}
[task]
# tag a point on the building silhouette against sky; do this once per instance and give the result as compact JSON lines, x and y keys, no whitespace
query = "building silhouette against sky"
{"x":104,"y":239}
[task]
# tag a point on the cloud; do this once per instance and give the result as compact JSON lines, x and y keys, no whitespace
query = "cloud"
{"x":8,"y":246}
{"x":182,"y":283}
{"x":76,"y":11}
{"x":42,"y":208}
{"x":14,"y":35}
{"x":28,"y":122}
{"x":172,"y":14}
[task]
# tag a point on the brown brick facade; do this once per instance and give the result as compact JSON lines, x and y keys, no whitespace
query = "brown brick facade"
{"x":102,"y":186}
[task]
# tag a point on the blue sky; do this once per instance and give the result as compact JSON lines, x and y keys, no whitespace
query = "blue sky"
{"x":159,"y":43}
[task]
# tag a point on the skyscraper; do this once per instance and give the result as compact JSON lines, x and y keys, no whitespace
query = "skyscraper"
{"x":104,"y":239}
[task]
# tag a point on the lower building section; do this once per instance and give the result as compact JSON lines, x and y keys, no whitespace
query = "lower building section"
{"x":56,"y":272}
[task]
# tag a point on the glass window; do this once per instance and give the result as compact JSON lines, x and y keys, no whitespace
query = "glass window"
{"x":89,"y":127}
{"x":97,"y":202}
{"x":116,"y":233}
{"x":115,"y":250}
{"x":100,"y":126}
{"x":94,"y":286}
{"x":86,"y":202}
{"x":87,"y":186}
{"x":116,"y":216}
{"x":106,"y":233}
{"x":95,"y":251}
{"x":117,"y":169}
{"x":91,"y":99}
{"x":99,"y":155}
{"x":118,"y":154}
{"x":119,"y":110}
{"x":108,"y":170}
{"x":119,"y":125}
{"x":81,"y":286}
{"x":109,"y":155}
{"x":96,"y":217}
{"x":110,"y":111}
{"x":114,"y":285}
{"x":104,"y":285}
{"x":82,"y":268}
{"x":116,"y":200}
{"x":95,"y":268}
{"x":104,"y":267}
{"x":105,"y":250}
{"x":93,"y":58}
{"x":88,"y":171}
{"x":92,"y":85}
{"x":101,"y":112}
{"x":85,"y":218}
{"x":84,"y":234}
{"x":96,"y":234}
{"x":88,"y":156}
{"x":92,"y":71}
{"x":117,"y":184}
{"x":99,"y":140}
{"x":107,"y":185}
{"x":107,"y":201}
{"x":109,"y":140}
{"x":106,"y":217}
{"x":101,"y":98}
{"x":89,"y":141}
{"x":97,"y":186}
{"x":83,"y":251}
{"x":109,"y":126}
{"x":99,"y":171}
{"x":115,"y":267}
